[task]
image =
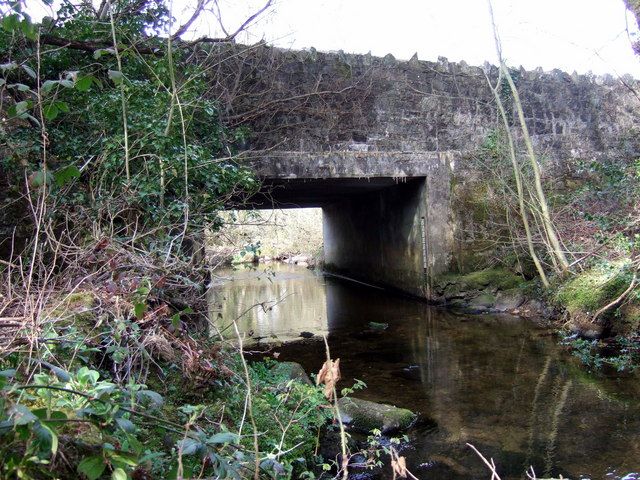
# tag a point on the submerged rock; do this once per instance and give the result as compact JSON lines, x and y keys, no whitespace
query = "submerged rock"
{"x":292,"y":371}
{"x":364,"y":415}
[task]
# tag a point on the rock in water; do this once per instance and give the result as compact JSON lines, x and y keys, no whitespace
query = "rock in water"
{"x":364,"y":416}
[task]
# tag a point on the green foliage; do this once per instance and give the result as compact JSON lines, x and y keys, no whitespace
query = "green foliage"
{"x":174,"y":138}
{"x":35,"y":415}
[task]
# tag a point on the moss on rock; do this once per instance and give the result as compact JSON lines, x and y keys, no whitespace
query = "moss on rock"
{"x":365,"y":416}
{"x":291,"y":371}
{"x":498,"y":278}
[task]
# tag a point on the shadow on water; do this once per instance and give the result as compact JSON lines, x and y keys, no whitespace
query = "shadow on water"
{"x":498,"y":382}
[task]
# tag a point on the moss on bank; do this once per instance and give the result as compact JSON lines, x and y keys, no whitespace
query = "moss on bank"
{"x":496,"y":278}
{"x":594,"y":288}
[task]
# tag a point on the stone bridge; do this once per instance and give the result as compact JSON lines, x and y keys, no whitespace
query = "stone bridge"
{"x":380,"y":144}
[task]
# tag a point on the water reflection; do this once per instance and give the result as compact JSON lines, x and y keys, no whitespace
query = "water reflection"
{"x":497,"y":382}
{"x":275,"y":301}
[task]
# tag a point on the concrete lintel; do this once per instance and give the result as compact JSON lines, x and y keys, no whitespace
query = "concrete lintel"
{"x":345,"y":164}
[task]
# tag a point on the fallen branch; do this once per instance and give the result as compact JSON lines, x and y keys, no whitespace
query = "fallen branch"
{"x":617,"y":301}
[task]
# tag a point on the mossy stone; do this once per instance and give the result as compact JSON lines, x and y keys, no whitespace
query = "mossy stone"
{"x":483,"y":301}
{"x":365,"y":416}
{"x":292,"y":371}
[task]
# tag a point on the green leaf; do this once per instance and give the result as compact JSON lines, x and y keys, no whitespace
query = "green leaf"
{"x":116,"y":76}
{"x":188,"y":446}
{"x":92,"y":467}
{"x":126,"y":425}
{"x":224,"y":437}
{"x":21,"y":415}
{"x":118,"y":474}
{"x":22,"y":107}
{"x":51,"y":111}
{"x":29,"y":71}
{"x":48,"y":85}
{"x":84,"y":83}
{"x":62,"y":374}
{"x":52,"y":437}
{"x":10,"y":373}
{"x":62,"y":106}
{"x":139,"y":309}
{"x":66,"y":83}
{"x":64,"y":175}
{"x":11,"y":22}
{"x":20,"y":86}
{"x":124,"y":458}
{"x":87,"y":376}
{"x":154,"y":397}
{"x":101,"y":51}
{"x":8,"y":66}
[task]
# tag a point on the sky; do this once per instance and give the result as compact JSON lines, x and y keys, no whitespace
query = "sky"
{"x":580,"y":35}
{"x":572,"y":35}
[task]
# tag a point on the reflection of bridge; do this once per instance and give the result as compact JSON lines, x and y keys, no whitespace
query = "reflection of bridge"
{"x":371,"y":141}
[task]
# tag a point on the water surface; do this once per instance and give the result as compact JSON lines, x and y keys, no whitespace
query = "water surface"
{"x":498,"y":382}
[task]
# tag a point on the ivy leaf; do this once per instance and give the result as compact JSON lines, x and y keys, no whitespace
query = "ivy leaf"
{"x":118,"y":474}
{"x":116,"y":76}
{"x":65,"y":174}
{"x":92,"y":467}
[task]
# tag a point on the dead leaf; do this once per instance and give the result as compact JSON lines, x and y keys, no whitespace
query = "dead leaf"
{"x":399,"y":466}
{"x":329,"y":374}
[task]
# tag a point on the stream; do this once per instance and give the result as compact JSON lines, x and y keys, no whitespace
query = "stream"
{"x":498,"y":382}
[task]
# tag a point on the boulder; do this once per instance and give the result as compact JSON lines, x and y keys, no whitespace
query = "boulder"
{"x":364,"y":416}
{"x":484,"y":301}
{"x":292,"y":371}
{"x":509,"y":300}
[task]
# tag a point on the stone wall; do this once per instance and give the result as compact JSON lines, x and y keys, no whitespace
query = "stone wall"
{"x":308,"y":101}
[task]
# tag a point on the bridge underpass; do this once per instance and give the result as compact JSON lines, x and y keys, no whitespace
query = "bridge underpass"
{"x":384,"y":222}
